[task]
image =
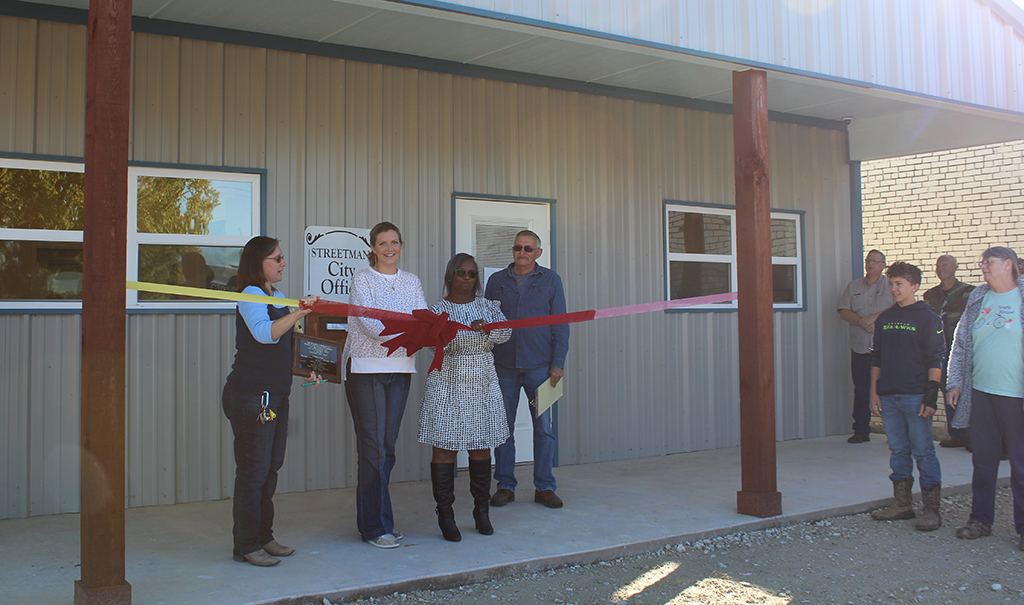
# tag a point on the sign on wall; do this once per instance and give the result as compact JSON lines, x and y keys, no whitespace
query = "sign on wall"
{"x":333,"y":256}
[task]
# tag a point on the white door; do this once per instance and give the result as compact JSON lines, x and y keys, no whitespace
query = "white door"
{"x":487,"y":229}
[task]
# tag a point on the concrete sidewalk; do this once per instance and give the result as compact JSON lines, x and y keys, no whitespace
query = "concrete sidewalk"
{"x":182,"y":553}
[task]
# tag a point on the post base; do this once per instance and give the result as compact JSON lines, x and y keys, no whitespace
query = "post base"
{"x":103,"y":595}
{"x":759,"y":504}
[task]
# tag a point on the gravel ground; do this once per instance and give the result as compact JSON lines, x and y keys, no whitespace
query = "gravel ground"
{"x":850,"y":559}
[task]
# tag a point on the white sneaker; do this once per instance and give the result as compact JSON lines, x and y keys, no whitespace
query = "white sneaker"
{"x":397,"y":534}
{"x":385,"y":541}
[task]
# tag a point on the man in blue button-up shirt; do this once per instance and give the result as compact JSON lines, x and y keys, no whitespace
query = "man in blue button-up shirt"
{"x":530,"y":357}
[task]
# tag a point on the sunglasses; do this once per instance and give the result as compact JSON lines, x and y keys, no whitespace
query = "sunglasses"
{"x":464,"y":273}
{"x":277,"y":259}
{"x":528,"y":249}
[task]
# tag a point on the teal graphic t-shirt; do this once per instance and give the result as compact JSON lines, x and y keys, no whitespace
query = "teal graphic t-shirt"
{"x":998,"y":361}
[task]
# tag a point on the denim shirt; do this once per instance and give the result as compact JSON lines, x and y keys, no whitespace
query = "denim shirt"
{"x":544,"y":346}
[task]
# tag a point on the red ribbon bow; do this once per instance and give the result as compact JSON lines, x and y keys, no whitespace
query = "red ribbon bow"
{"x":426,"y":329}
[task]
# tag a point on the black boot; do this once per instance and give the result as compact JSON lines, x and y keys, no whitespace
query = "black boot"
{"x":480,"y":487}
{"x":442,"y":478}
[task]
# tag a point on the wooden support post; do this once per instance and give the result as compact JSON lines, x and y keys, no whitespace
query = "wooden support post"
{"x":105,"y":219}
{"x":759,"y":496}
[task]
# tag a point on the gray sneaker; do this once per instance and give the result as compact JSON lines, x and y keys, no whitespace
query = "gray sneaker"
{"x":385,"y":541}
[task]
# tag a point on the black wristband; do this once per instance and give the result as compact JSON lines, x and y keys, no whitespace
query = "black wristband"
{"x":931,"y":394}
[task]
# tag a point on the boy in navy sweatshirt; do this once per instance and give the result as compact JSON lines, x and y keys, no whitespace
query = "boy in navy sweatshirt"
{"x":906,"y":366}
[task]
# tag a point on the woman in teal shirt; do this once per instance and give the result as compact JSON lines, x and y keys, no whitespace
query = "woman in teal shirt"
{"x":986,"y":385}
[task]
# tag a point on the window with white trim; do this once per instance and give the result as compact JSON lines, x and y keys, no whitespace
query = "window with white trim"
{"x":185,"y":227}
{"x":700,"y":255}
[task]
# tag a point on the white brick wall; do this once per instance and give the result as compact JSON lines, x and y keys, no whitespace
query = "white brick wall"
{"x":955,"y":202}
{"x":951,"y":202}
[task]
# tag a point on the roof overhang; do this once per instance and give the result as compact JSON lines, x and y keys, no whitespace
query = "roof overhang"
{"x":882,"y":122}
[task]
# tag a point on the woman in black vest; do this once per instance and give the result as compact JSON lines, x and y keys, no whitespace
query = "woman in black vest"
{"x":255,"y":400}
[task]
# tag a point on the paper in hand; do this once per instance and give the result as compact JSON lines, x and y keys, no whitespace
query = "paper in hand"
{"x":547,"y":395}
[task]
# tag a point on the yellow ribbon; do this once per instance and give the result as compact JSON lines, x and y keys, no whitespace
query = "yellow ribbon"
{"x":214,"y":294}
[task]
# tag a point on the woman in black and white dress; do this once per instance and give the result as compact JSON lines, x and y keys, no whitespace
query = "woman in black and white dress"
{"x":462,"y":405}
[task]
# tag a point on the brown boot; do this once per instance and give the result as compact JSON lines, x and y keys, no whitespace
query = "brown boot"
{"x":901,"y":506}
{"x":930,"y":519}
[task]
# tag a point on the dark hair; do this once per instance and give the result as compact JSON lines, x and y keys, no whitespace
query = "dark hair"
{"x":1003,"y":253}
{"x":455,"y":263}
{"x":909,"y":272}
{"x":379,"y":228}
{"x":531,"y":234}
{"x":876,"y":251}
{"x":250,"y":266}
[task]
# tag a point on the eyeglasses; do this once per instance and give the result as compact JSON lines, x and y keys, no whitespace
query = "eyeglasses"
{"x":464,"y":273}
{"x":982,"y":264}
{"x":277,"y":259}
{"x":528,"y":249}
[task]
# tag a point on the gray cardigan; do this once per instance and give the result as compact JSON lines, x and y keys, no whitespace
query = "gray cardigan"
{"x":961,"y":357}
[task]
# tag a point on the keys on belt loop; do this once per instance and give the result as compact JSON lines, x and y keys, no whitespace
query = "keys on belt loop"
{"x":266,"y":414}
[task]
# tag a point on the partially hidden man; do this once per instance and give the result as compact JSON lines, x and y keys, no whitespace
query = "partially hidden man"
{"x":948,"y":300}
{"x":532,"y":356}
{"x":862,"y":302}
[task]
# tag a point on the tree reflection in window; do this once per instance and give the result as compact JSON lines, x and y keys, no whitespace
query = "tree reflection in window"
{"x":51,"y":200}
{"x":175,"y":205}
{"x":172,"y":206}
{"x":41,"y":199}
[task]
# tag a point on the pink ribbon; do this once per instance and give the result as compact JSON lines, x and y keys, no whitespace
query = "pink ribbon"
{"x":424,"y":328}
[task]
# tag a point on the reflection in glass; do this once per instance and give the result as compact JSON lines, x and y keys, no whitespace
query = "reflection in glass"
{"x":40,"y":270}
{"x":689,"y":279}
{"x":212,"y":268}
{"x":784,"y":237}
{"x":194,"y":206}
{"x":41,"y":199}
{"x":696,"y":233}
{"x":784,"y":283}
{"x":494,"y":243}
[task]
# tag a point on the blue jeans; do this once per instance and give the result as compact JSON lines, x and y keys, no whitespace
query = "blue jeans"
{"x":377,"y":403}
{"x":993,"y":419}
{"x":910,"y":439}
{"x":511,"y":380}
{"x":259,"y":455}
{"x":860,"y":369}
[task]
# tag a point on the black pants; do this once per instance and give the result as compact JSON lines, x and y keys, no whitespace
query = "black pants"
{"x":259,"y":455}
{"x":860,"y":369}
{"x":993,"y":419}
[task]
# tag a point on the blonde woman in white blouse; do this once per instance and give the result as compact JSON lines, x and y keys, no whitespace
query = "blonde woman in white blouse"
{"x":377,"y":384}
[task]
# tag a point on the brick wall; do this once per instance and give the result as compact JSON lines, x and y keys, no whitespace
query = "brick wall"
{"x":955,"y":202}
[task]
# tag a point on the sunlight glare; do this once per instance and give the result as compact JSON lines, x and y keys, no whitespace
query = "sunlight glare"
{"x":646,"y":580}
{"x":721,"y":590}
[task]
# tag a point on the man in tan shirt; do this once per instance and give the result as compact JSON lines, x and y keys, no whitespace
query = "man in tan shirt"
{"x":861,"y":303}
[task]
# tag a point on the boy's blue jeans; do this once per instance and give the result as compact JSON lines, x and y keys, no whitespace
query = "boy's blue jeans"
{"x":910,"y":439}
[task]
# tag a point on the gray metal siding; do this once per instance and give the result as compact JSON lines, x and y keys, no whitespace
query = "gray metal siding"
{"x":951,"y":49}
{"x":349,"y":143}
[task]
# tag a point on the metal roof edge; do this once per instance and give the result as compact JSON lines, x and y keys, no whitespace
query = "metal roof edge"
{"x":1008,"y":11}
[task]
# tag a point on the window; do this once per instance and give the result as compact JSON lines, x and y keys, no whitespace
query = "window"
{"x":185,"y":227}
{"x":701,"y":254}
{"x":190,"y":228}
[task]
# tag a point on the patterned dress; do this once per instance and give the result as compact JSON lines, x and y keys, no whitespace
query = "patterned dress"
{"x":462,"y":405}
